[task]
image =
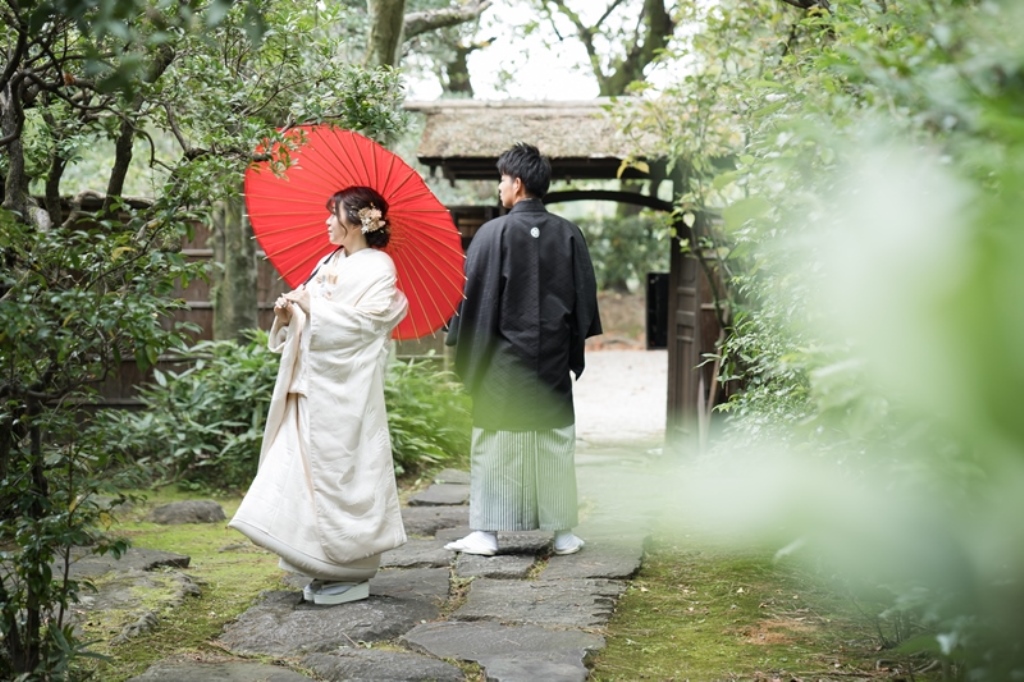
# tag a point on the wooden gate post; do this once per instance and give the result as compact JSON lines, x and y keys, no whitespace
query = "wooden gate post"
{"x":684,"y":341}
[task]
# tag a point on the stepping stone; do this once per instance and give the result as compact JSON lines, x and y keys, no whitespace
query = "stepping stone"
{"x":452,"y":476}
{"x":131,"y":592}
{"x":85,"y":565}
{"x":188,"y":511}
{"x":352,"y":665}
{"x":600,"y":558}
{"x":281,"y":624}
{"x":441,"y":494}
{"x":194,"y":671}
{"x":130,"y":603}
{"x":613,"y":533}
{"x":501,"y":567}
{"x":427,"y":520}
{"x":510,"y":653}
{"x":577,"y":603}
{"x":417,"y":554}
{"x":560,"y":669}
{"x":533,"y":542}
{"x":430,"y":584}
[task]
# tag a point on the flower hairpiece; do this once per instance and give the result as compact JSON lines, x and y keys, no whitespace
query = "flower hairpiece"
{"x":371,"y":218}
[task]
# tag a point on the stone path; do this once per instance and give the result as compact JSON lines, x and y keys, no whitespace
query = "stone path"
{"x":622,"y":397}
{"x":522,"y":615}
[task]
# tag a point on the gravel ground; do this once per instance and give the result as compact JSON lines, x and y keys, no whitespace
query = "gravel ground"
{"x":622,"y":396}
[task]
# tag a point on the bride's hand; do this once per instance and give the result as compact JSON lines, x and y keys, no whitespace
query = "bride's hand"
{"x":299,"y":297}
{"x":283,"y":309}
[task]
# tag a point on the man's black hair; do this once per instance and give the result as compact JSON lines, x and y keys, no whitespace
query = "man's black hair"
{"x":525,"y":162}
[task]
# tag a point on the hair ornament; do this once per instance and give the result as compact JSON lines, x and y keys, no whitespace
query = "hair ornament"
{"x":371,"y":218}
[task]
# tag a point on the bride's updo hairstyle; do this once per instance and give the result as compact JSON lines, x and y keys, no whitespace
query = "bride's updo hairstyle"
{"x":364,"y":207}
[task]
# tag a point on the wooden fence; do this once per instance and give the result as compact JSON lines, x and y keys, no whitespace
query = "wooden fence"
{"x":122,"y":390}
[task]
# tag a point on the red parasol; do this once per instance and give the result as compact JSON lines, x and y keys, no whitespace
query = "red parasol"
{"x":288,"y":213}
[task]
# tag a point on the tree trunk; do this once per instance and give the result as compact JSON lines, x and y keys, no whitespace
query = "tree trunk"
{"x":16,"y":182}
{"x":457,"y":72}
{"x":657,"y":30}
{"x":53,"y":208}
{"x":387,"y":19}
{"x":235,"y":304}
{"x":123,"y":147}
{"x":27,"y":648}
{"x":123,"y":153}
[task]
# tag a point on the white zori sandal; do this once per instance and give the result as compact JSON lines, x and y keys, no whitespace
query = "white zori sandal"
{"x":330,"y":593}
{"x":567,"y":543}
{"x":482,"y":542}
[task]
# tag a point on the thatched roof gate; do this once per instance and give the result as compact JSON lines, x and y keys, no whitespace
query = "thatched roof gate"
{"x":462,"y":138}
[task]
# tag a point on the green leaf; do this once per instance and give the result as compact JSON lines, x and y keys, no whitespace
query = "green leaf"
{"x":738,"y":213}
{"x":723,"y":180}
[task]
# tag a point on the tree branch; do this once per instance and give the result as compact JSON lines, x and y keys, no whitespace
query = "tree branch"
{"x":124,"y":145}
{"x":810,"y":4}
{"x":67,"y":81}
{"x":13,"y":60}
{"x":172,"y":122}
{"x":607,"y":12}
{"x":418,"y":23}
{"x":586,"y":36}
{"x":654,"y":27}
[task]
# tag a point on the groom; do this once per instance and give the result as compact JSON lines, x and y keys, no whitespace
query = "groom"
{"x":530,"y":304}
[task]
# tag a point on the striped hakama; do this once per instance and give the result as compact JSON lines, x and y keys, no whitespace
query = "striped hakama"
{"x":523,"y":480}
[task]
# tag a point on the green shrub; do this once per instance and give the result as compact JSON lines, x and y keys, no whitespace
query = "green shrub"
{"x":625,"y":249}
{"x":428,"y":416}
{"x":873,"y":220}
{"x":76,"y":299}
{"x":202,"y":427}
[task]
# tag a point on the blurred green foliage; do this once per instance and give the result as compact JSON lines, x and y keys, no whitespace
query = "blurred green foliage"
{"x":874,"y":263}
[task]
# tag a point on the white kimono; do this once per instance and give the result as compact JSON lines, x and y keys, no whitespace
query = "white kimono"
{"x":324,"y":498}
